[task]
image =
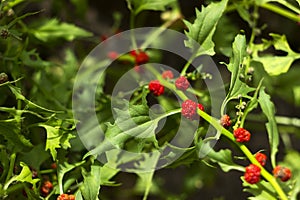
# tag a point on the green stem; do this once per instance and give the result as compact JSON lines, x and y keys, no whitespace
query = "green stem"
{"x":132,"y":26}
{"x":226,"y":133}
{"x":281,"y":11}
{"x":11,"y":166}
{"x":246,"y":151}
{"x":187,"y":64}
{"x":47,"y":171}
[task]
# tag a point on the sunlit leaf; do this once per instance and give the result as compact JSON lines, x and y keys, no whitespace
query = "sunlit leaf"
{"x":202,"y":29}
{"x":91,"y":182}
{"x":275,"y":65}
{"x":53,"y":30}
{"x":24,"y":176}
{"x":224,"y":159}
{"x":237,"y":88}
{"x":268,"y":109}
{"x":261,"y":191}
{"x":139,"y":5}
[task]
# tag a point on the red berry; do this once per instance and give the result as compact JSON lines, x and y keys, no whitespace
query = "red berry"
{"x":189,"y":109}
{"x":252,"y":174}
{"x":156,"y":88}
{"x":112,"y":55}
{"x":53,"y":165}
{"x":71,"y":197}
{"x":225,"y":121}
{"x":182,"y":83}
{"x":283,"y":173}
{"x":261,"y":158}
{"x":140,"y":57}
{"x":168,"y":74}
{"x":241,"y":135}
{"x":46,"y":188}
{"x":63,"y":197}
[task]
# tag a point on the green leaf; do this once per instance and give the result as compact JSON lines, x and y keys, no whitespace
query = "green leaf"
{"x":91,"y":182}
{"x":237,"y":88}
{"x":32,"y":59}
{"x":4,"y":160}
{"x":149,"y":162}
{"x":132,"y":122}
{"x":11,"y":131}
{"x":19,"y":96}
{"x":261,"y":191}
{"x":38,"y":152}
{"x":57,"y":136}
{"x":224,"y":160}
{"x":63,"y":168}
{"x":53,"y":30}
{"x":275,"y":65}
{"x":139,"y":5}
{"x":268,"y":109}
{"x":203,"y":28}
{"x":24,"y":176}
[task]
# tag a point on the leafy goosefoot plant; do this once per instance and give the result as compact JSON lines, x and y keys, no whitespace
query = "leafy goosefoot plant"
{"x":215,"y":122}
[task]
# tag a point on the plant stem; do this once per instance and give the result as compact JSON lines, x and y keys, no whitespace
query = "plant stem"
{"x":11,"y":166}
{"x":214,"y":122}
{"x":186,"y":66}
{"x":132,"y":35}
{"x":281,"y":11}
{"x":246,"y":151}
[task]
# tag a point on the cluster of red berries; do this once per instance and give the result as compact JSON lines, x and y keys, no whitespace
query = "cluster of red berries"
{"x":46,"y":188}
{"x":66,"y":197}
{"x":182,"y":83}
{"x":283,"y":173}
{"x":252,"y":173}
{"x":189,"y":109}
{"x":225,"y":121}
{"x":241,"y":135}
{"x":157,"y":89}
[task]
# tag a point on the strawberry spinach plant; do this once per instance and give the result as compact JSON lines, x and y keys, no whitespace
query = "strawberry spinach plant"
{"x":47,"y":152}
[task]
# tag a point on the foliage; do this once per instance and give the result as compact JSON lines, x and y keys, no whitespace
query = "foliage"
{"x":39,"y":141}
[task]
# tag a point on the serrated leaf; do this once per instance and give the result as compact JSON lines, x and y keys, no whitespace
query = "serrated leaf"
{"x":261,"y":191}
{"x":32,"y":59}
{"x":19,"y":96}
{"x":276,"y":65}
{"x":11,"y":131}
{"x":53,"y":29}
{"x":203,"y":28}
{"x":237,"y":88}
{"x":139,"y":5}
{"x":57,"y":136}
{"x":224,"y":159}
{"x":268,"y":109}
{"x":24,"y":176}
{"x":146,"y":177}
{"x":132,"y":122}
{"x":91,"y":182}
{"x":38,"y":152}
{"x":63,"y":168}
